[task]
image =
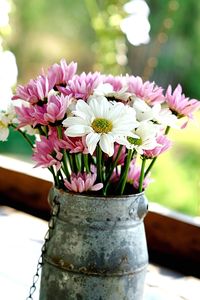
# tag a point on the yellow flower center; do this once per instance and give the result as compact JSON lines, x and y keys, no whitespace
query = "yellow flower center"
{"x":134,"y":141}
{"x":101,"y":125}
{"x":2,"y":125}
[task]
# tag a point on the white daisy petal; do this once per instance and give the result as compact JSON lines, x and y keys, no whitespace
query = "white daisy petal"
{"x":4,"y":132}
{"x":83,"y":107}
{"x":91,"y":141}
{"x":70,"y":121}
{"x":103,"y":89}
{"x":77,"y":130}
{"x":107,"y":144}
{"x":116,"y":111}
{"x":100,"y":106}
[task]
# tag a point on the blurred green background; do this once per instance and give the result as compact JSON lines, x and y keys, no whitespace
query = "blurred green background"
{"x":87,"y":31}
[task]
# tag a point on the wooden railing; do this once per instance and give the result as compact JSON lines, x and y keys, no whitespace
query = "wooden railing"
{"x":173,"y":239}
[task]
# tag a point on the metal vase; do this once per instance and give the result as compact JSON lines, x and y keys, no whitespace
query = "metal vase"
{"x":97,"y":250}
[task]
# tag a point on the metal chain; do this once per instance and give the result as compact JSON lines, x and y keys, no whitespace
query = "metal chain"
{"x":48,"y":235}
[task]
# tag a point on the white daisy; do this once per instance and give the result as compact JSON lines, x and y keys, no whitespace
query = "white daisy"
{"x":155,"y":113}
{"x":106,"y":89}
{"x":101,"y":122}
{"x":6,"y":118}
{"x":146,"y":134}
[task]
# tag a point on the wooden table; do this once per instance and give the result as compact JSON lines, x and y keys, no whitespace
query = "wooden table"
{"x":21,"y":240}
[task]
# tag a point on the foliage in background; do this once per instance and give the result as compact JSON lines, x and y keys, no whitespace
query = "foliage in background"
{"x":110,"y":45}
{"x":178,"y":173}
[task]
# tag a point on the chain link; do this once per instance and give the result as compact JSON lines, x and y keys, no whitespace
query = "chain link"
{"x":48,"y":235}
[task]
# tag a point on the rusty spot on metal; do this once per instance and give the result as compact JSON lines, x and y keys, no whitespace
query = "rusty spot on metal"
{"x":64,"y":264}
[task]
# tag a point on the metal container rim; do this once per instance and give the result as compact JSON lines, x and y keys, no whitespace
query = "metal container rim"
{"x":95,"y":196}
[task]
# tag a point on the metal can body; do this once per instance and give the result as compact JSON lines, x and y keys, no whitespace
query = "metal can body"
{"x":98,"y":249}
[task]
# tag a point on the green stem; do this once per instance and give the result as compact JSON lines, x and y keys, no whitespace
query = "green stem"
{"x":125,"y":173}
{"x":77,"y":162}
{"x":113,"y":166}
{"x":99,"y":164}
{"x":142,"y":174}
{"x":167,"y":130}
{"x":86,"y":163}
{"x":59,"y":130}
{"x":60,"y":178}
{"x":24,"y":135}
{"x":56,"y":181}
{"x":41,"y":131}
{"x":72,"y":164}
{"x":64,"y":160}
{"x":150,"y":166}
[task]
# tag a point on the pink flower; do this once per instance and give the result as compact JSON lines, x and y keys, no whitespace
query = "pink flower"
{"x":134,"y":177}
{"x":82,"y":182}
{"x":47,"y":153}
{"x":51,"y":112}
{"x":115,"y":176}
{"x":31,"y":115}
{"x":60,"y":74}
{"x":117,"y":82}
{"x":25,"y":115}
{"x":179,"y":104}
{"x":81,"y":86}
{"x":164,"y":145}
{"x":122,"y":155}
{"x":39,"y":115}
{"x":147,"y":91}
{"x":76,"y":144}
{"x":56,"y":108}
{"x":35,"y":91}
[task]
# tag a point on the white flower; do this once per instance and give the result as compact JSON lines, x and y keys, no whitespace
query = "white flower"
{"x":6,"y":118}
{"x":106,"y":89}
{"x":30,"y":130}
{"x":155,"y":113}
{"x":146,"y":134}
{"x":165,"y":118}
{"x":4,"y":132}
{"x":101,"y":122}
{"x":144,"y":112}
{"x":8,"y":75}
{"x":103,"y":89}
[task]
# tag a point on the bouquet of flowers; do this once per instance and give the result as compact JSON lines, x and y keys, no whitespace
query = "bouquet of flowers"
{"x":96,"y":133}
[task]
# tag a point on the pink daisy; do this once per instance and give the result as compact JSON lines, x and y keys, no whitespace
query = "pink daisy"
{"x":147,"y":91}
{"x":117,"y":82}
{"x":60,"y":74}
{"x":164,"y":145}
{"x":36,"y":90}
{"x":81,"y":86}
{"x":56,"y":108}
{"x":31,"y":115}
{"x":76,"y":144}
{"x":25,"y":115}
{"x":47,"y":153}
{"x":179,"y":104}
{"x":82,"y":182}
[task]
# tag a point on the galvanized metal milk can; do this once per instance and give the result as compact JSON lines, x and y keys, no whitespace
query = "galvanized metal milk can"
{"x":97,"y":250}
